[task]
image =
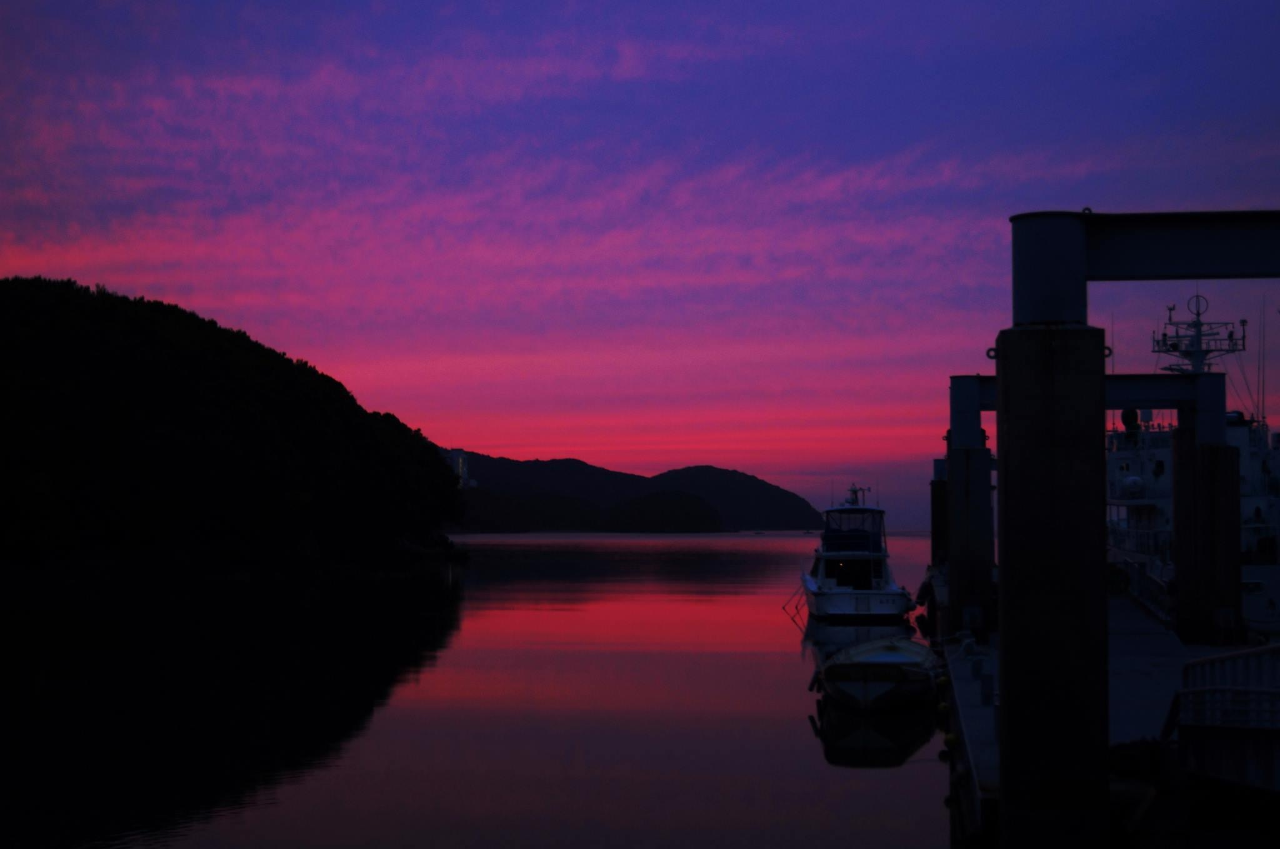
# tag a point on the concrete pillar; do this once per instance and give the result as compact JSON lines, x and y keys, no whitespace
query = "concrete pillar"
{"x":1050,"y":268}
{"x":972,"y":549}
{"x":1206,"y":541}
{"x":939,"y":523}
{"x":971,"y":532}
{"x":1053,"y":593}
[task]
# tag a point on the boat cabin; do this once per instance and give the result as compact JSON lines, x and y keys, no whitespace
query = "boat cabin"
{"x":854,"y":529}
{"x":853,"y":549}
{"x":855,"y":573}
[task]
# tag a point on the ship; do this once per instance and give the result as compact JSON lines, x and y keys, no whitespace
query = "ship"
{"x":1140,"y":480}
{"x":850,"y":575}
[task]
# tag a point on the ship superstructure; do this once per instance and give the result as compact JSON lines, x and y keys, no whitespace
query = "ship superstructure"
{"x":1140,"y":480}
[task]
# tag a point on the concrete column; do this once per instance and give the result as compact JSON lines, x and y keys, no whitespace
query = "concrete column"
{"x":1050,"y":268}
{"x":1053,"y":593}
{"x":971,"y":532}
{"x":939,"y":524}
{"x":1206,"y":542}
{"x":972,"y":548}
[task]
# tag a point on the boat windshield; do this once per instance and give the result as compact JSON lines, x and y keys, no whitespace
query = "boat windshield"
{"x":854,"y":531}
{"x":839,"y":520}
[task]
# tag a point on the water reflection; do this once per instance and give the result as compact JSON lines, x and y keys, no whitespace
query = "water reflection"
{"x":139,"y":710}
{"x":626,"y":691}
{"x":870,"y":739}
{"x":876,"y":704}
{"x":571,"y":567}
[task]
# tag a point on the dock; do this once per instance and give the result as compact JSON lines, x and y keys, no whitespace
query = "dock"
{"x":1222,"y":709}
{"x":972,"y":699}
{"x":1075,"y":713}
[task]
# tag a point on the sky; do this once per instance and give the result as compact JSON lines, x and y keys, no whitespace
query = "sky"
{"x":754,"y":235}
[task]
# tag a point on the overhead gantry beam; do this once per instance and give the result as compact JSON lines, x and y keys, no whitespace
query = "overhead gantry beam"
{"x":1056,"y":254}
{"x":1204,"y":394}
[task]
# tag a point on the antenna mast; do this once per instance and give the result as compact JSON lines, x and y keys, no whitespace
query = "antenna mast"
{"x":1195,"y":344}
{"x":856,"y":495}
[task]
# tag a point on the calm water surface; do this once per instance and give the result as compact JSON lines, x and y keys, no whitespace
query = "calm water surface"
{"x":610,"y":691}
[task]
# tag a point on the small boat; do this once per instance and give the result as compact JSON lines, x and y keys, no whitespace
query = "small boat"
{"x":850,"y":576}
{"x":890,"y":673}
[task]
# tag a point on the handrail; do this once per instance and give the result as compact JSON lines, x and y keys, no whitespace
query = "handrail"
{"x":1272,"y":648}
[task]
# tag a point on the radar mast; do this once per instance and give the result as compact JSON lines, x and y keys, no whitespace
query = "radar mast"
{"x":1196,"y":343}
{"x":856,"y":494}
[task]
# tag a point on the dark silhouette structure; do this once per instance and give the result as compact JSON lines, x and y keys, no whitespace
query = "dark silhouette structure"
{"x":138,"y":435}
{"x":1051,"y":402}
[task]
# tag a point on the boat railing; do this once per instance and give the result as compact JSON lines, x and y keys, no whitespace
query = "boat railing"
{"x":1237,"y":690}
{"x":1148,"y":590}
{"x":1155,"y":543}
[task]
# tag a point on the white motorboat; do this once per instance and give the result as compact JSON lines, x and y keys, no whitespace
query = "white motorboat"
{"x":850,"y":576}
{"x":889,"y":673}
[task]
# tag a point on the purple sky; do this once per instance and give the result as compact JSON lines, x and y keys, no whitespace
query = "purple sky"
{"x":754,"y":235}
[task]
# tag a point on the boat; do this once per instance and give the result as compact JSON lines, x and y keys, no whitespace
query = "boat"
{"x":890,"y":673}
{"x":850,"y":576}
{"x":824,"y":637}
{"x":870,"y":667}
{"x":1140,"y":483}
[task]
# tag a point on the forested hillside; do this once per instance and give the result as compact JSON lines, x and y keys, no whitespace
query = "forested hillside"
{"x":137,"y":433}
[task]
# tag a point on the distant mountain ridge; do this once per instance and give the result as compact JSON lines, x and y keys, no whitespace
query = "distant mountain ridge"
{"x":570,"y":495}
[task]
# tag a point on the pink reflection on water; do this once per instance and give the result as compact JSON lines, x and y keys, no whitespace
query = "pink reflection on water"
{"x":611,"y":691}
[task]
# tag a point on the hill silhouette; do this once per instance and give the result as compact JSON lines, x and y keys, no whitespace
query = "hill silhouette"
{"x":138,"y":434}
{"x":570,"y":495}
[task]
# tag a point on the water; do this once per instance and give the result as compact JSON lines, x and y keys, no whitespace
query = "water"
{"x":598,"y":690}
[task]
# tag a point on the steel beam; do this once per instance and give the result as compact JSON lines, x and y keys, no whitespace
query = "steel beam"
{"x":1200,"y":396}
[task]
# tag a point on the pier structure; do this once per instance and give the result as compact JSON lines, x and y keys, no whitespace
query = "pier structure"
{"x":939,"y":519}
{"x":1050,"y":394}
{"x":1229,"y":717}
{"x":970,"y":555}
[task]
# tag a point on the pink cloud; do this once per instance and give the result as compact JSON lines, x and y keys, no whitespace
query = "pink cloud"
{"x":524,"y":234}
{"x":638,"y":311}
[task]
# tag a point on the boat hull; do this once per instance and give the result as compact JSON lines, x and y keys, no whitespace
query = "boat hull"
{"x":868,"y":605}
{"x":879,"y":676}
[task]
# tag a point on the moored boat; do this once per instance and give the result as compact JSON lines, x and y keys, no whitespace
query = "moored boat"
{"x":850,"y":576}
{"x":889,"y":673}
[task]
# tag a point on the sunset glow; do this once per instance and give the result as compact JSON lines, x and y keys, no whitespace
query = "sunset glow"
{"x":759,"y":238}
